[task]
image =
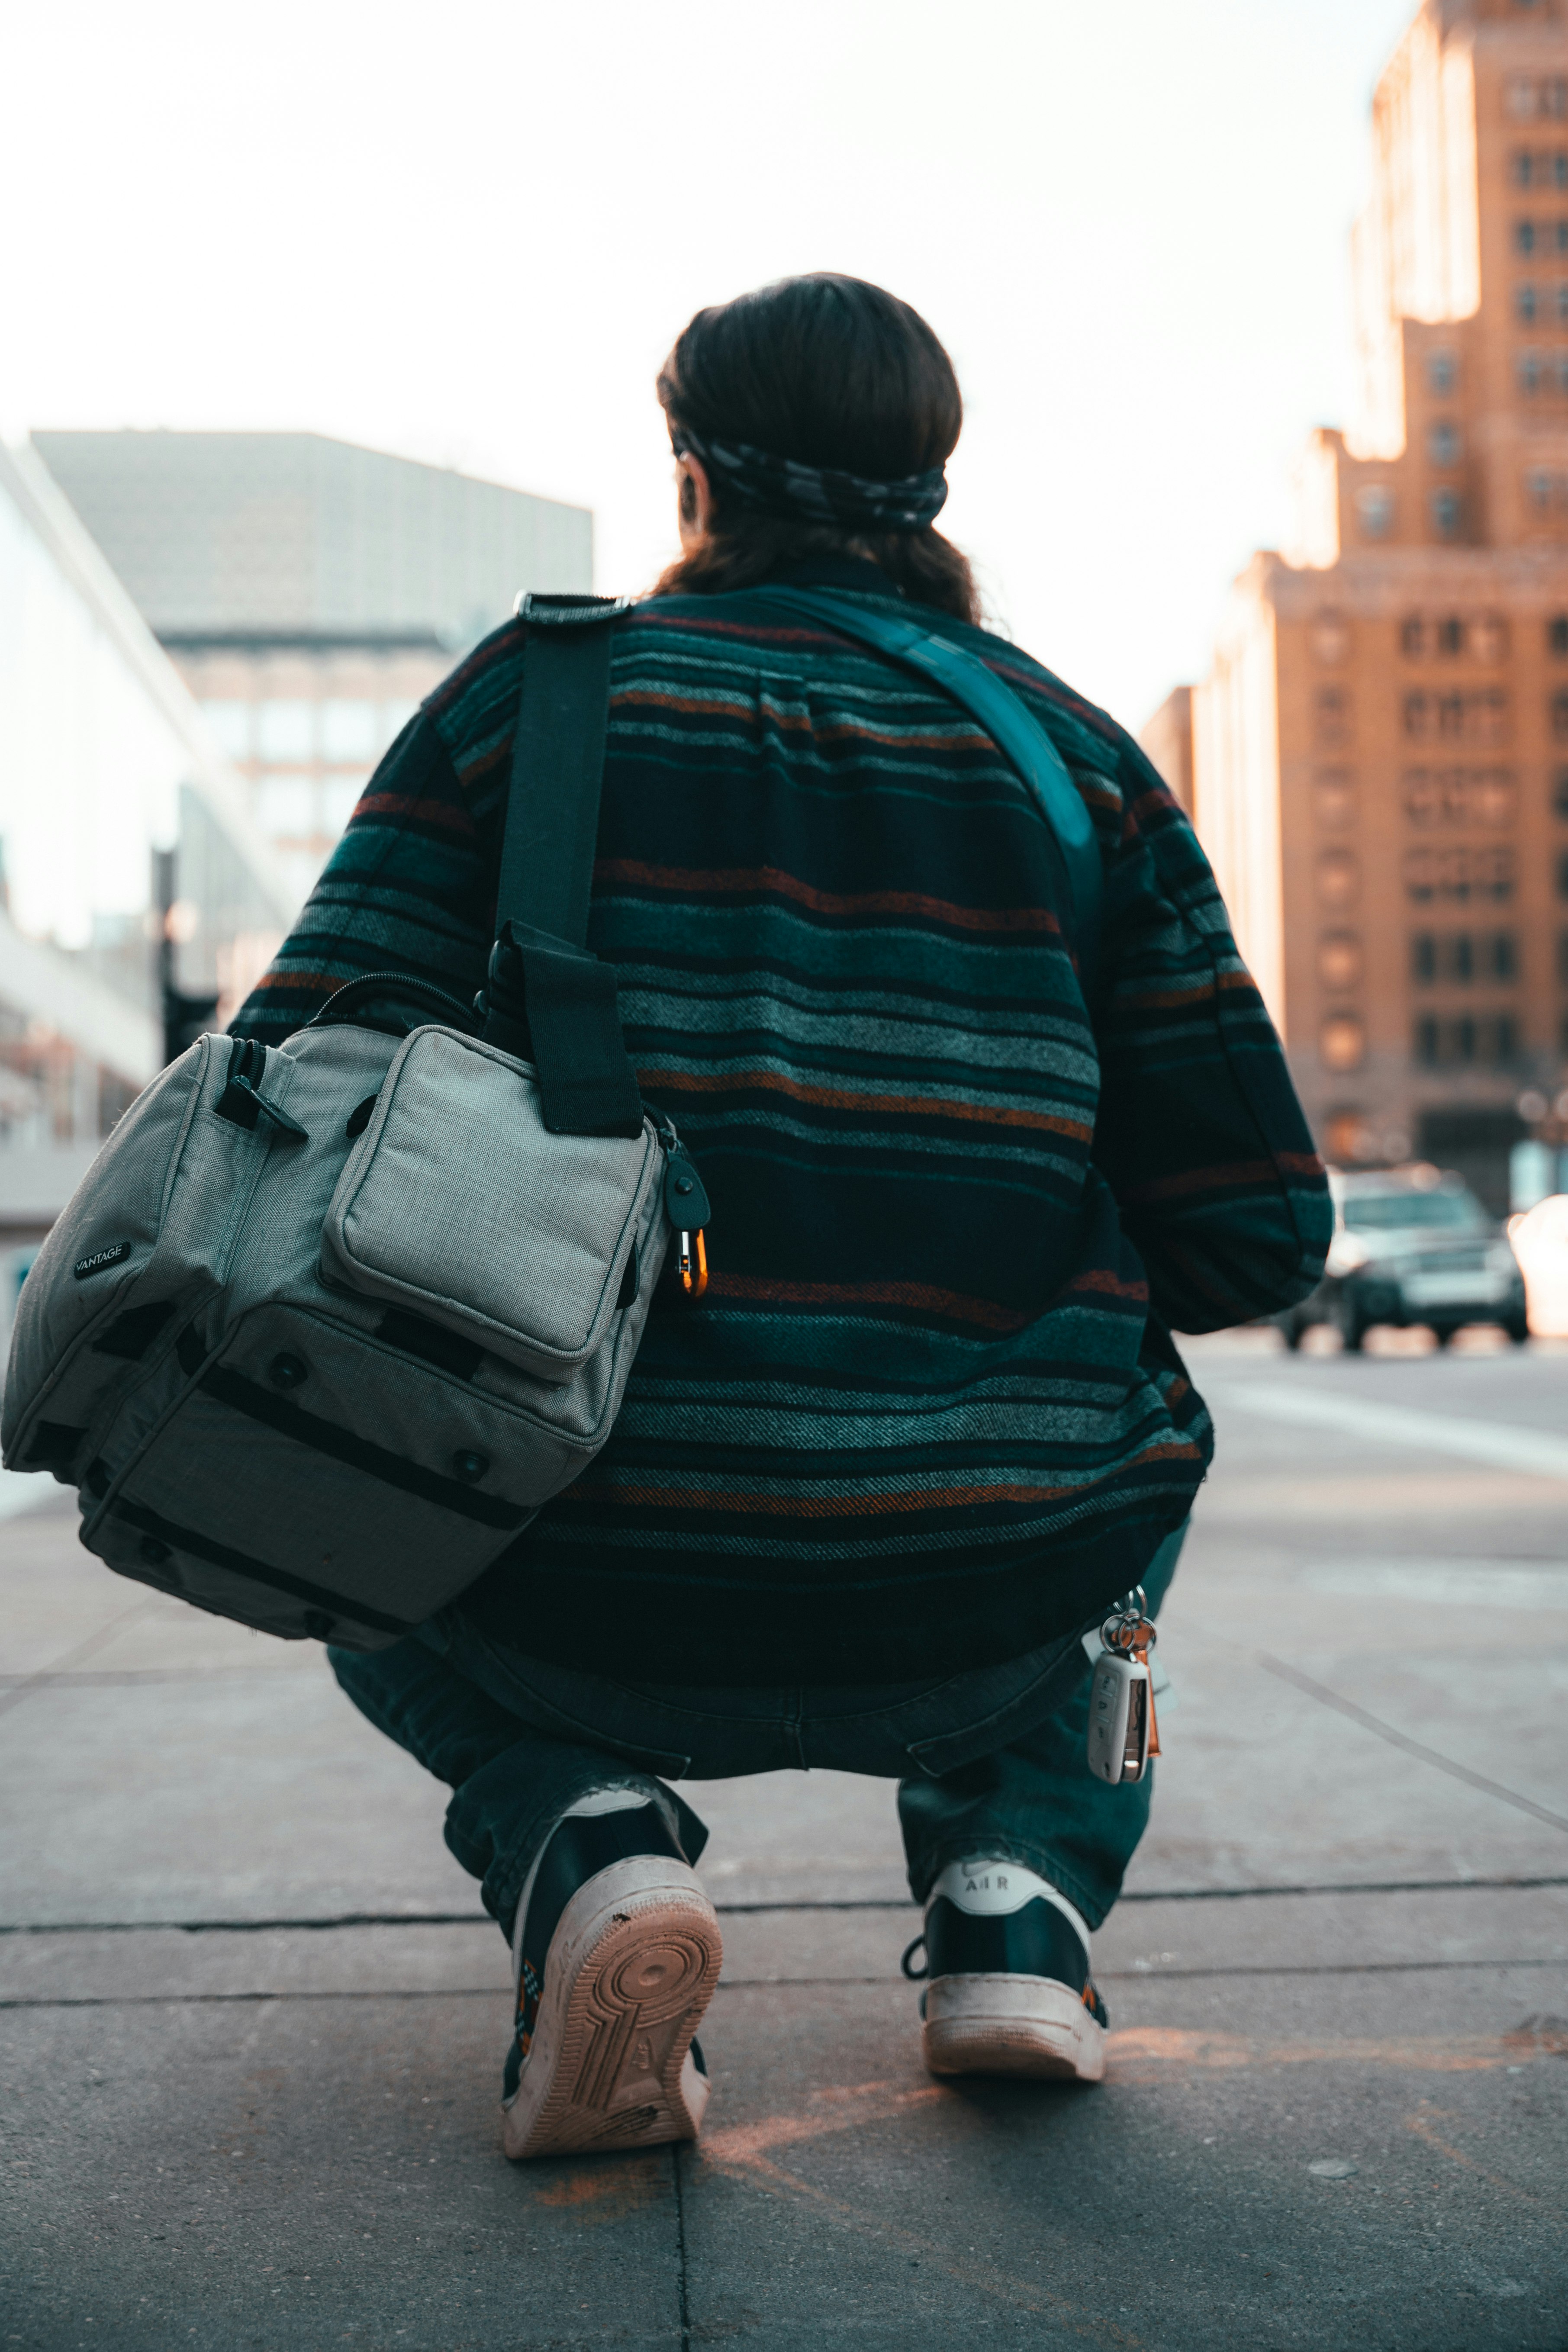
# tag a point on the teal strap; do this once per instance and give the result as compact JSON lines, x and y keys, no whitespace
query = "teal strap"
{"x":1002,"y":716}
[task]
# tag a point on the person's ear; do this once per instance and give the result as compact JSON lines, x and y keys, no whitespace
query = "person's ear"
{"x":694,"y":500}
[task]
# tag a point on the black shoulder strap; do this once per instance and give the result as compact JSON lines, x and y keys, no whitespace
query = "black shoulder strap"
{"x":546,"y":999}
{"x":557,"y":765}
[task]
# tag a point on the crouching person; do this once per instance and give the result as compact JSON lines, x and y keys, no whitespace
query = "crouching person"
{"x":972,"y":1151}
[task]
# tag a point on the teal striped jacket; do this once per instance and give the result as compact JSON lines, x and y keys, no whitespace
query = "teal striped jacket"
{"x":929,"y":1414}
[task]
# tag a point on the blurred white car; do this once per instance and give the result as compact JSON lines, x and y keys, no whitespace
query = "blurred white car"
{"x":1411,"y":1246}
{"x":1540,"y":1245}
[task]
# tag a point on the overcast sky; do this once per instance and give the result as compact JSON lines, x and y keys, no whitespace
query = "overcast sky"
{"x":470,"y":233}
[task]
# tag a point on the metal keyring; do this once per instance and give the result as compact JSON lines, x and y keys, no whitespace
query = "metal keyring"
{"x":1120,"y":1625}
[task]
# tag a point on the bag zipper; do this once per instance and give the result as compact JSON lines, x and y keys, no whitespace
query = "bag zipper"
{"x":242,"y":1100}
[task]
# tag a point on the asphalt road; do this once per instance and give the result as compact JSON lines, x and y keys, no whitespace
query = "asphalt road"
{"x":251,"y":2028}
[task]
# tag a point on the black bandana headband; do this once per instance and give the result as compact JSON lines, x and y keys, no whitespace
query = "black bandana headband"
{"x":779,"y":485}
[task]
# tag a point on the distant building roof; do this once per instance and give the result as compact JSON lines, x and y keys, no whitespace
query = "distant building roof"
{"x":1167,"y":738}
{"x":290,"y":537}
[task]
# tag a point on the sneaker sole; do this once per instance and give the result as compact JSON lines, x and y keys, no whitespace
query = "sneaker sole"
{"x":1027,"y":2026}
{"x":632,"y":1966}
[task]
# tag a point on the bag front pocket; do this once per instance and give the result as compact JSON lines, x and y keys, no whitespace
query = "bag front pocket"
{"x":295,"y":1485}
{"x":459,"y":1202}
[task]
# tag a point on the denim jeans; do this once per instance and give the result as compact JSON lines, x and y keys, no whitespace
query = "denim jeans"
{"x":990,"y":1762}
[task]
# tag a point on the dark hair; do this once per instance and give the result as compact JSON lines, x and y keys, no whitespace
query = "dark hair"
{"x":835,"y":374}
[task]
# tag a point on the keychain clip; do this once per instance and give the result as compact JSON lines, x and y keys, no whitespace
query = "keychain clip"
{"x":686,"y":1207}
{"x":691,"y":1257}
{"x":1123,"y":1731}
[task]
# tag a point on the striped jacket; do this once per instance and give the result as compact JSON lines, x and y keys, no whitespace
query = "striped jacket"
{"x":929,"y":1414}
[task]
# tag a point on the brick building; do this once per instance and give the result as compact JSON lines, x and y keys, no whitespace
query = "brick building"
{"x":1379,"y":752}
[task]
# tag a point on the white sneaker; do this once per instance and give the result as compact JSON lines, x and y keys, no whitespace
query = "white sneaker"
{"x":1009,"y":1991}
{"x":616,"y":1955}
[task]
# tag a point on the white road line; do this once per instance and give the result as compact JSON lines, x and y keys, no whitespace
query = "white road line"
{"x":1531,"y":1450}
{"x":1430,"y":1582}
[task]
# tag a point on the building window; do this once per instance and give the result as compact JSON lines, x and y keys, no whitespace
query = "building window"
{"x":286,"y":808}
{"x":1446,"y":513}
{"x":1459,"y":796}
{"x":1526,"y":100}
{"x":1338,"y":877}
{"x":1484,"y":637}
{"x":1333,"y":715}
{"x":348,"y":731}
{"x":1374,"y":509}
{"x":1463,"y":1041}
{"x":1542,"y":490}
{"x":1343,"y":1041}
{"x":230,"y":725}
{"x":1559,"y":792}
{"x":1335,"y":799}
{"x":1444,"y":445}
{"x":1458,"y":958}
{"x":1525,"y":308}
{"x":1529,"y":372}
{"x":1331,"y":638}
{"x":1462,"y":874}
{"x":1563,"y":958}
{"x":1525,"y":237}
{"x":1563,"y":303}
{"x":1538,"y":168}
{"x":339,"y":796}
{"x":285,"y":733}
{"x":1458,"y":718}
{"x":1442,"y":374}
{"x":1563,"y":876}
{"x":1339,"y":961}
{"x":1559,"y":715}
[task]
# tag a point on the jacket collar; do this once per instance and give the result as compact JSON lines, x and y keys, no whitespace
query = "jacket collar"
{"x":853,"y":571}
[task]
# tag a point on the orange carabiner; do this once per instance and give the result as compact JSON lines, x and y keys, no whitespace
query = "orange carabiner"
{"x":1140,"y":1652}
{"x":693,"y":1264}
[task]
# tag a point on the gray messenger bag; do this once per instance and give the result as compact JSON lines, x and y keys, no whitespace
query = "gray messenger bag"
{"x":326,"y":1323}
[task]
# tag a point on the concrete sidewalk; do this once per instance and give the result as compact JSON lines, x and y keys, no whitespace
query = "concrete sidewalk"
{"x":251,"y":2025}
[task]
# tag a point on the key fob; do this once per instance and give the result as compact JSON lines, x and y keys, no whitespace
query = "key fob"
{"x":1119,"y":1719}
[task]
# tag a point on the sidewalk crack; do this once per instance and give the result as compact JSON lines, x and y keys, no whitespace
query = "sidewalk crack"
{"x":1416,"y":1748}
{"x":675,"y":2155}
{"x":25,"y":1688}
